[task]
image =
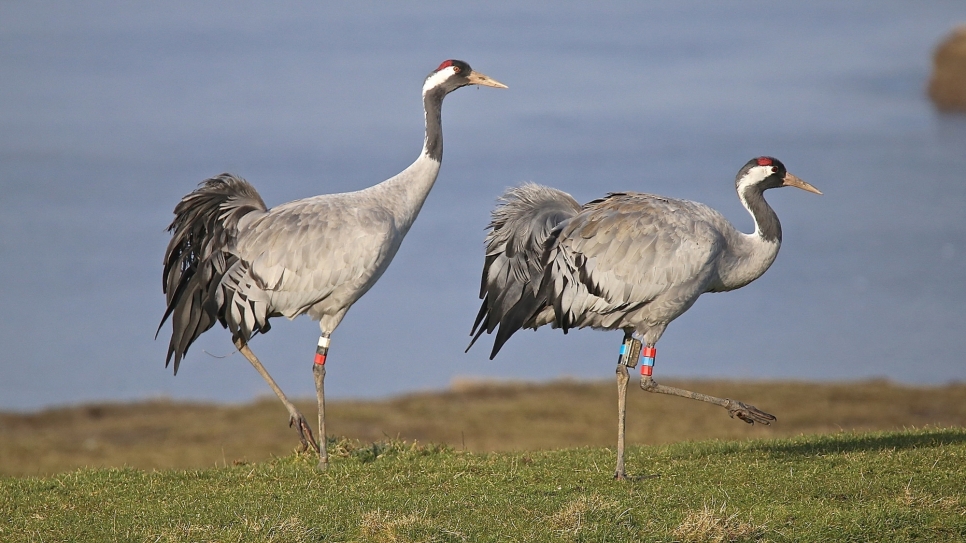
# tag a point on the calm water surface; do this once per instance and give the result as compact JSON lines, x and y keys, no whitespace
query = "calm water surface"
{"x":110,"y":112}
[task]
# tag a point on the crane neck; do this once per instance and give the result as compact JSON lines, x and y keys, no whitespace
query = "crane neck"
{"x":433,"y":106}
{"x":748,"y":256}
{"x":767,"y":226}
{"x":403,"y":194}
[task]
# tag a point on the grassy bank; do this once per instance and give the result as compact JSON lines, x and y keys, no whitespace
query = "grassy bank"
{"x":900,"y":486}
{"x":477,"y":417}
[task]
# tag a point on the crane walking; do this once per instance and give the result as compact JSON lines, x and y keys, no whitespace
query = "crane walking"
{"x":233,"y":261}
{"x":627,"y":261}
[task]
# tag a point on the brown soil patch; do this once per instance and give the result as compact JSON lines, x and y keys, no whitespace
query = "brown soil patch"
{"x":470,"y":415}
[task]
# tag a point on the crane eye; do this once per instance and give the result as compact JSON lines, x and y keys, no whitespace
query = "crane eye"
{"x":456,"y":69}
{"x":774,"y":170}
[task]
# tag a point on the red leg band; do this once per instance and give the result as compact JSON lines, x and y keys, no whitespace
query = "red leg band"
{"x":646,"y":370}
{"x":320,"y":359}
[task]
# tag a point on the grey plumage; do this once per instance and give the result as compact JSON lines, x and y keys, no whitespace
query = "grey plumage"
{"x":233,"y":261}
{"x":317,"y":255}
{"x":625,"y":261}
{"x":628,"y":261}
{"x":621,"y":260}
{"x":513,"y":270}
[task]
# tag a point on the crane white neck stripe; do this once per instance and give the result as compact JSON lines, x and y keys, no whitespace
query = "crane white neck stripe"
{"x":438,"y":78}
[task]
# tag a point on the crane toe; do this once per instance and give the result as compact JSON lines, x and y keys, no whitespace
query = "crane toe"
{"x":749,"y":413}
{"x":305,"y":432}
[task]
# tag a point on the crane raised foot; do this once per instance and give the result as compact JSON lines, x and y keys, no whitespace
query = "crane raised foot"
{"x":745,"y":412}
{"x":749,"y":413}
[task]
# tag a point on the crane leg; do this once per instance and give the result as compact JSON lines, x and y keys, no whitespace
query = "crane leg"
{"x":295,"y":416}
{"x":622,"y":378}
{"x":318,"y":370}
{"x":745,"y":412}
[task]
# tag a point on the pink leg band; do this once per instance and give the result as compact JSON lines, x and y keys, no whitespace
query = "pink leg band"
{"x":648,"y":354}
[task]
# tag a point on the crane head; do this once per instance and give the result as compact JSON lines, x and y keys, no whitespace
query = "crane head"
{"x":766,"y":172}
{"x":453,"y":74}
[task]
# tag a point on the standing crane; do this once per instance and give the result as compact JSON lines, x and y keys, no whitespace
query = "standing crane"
{"x":626,"y":261}
{"x":233,"y":261}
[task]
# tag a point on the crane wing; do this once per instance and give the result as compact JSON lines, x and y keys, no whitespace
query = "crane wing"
{"x":231,"y":260}
{"x":306,"y":252}
{"x":624,"y":251}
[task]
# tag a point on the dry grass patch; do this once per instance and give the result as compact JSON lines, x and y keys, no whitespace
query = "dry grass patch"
{"x":709,"y":526}
{"x":385,"y":526}
{"x":264,"y":529}
{"x":570,"y":519}
{"x":924,"y":500}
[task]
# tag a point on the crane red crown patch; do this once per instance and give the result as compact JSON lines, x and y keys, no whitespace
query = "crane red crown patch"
{"x":764,"y":161}
{"x":445,"y":64}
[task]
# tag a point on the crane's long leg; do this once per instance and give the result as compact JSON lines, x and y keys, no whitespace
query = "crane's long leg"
{"x":630,"y":351}
{"x":295,"y":416}
{"x":745,"y":412}
{"x":622,"y":378}
{"x":318,"y":370}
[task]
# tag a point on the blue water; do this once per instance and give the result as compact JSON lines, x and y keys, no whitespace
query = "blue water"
{"x":111,"y":111}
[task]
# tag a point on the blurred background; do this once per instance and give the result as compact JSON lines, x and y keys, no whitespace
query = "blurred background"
{"x":112,"y":111}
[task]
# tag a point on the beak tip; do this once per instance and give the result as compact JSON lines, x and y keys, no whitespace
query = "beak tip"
{"x":482,"y":80}
{"x":493,"y":83}
{"x":794,"y":181}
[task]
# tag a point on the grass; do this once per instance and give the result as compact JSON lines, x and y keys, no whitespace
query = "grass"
{"x":879,"y":486}
{"x":471,"y":416}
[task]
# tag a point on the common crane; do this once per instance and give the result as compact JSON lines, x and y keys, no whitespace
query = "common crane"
{"x":627,"y":261}
{"x":233,"y":261}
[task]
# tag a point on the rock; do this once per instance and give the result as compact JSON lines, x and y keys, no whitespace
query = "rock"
{"x":947,"y":87}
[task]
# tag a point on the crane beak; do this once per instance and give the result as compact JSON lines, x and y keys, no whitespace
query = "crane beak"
{"x":792,"y":181}
{"x":476,"y":78}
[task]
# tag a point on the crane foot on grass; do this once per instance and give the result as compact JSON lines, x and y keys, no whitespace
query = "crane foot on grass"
{"x":748,"y":413}
{"x":619,"y":476}
{"x":302,"y":426}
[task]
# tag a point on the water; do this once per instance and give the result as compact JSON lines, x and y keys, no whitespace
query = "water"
{"x":112,"y":111}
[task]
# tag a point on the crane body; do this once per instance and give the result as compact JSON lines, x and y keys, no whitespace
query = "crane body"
{"x":627,"y":261}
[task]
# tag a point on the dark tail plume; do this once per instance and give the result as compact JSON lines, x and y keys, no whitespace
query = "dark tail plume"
{"x":513,"y":270}
{"x":199,"y":255}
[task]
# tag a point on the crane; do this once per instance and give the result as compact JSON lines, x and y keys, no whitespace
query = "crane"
{"x":627,"y":261}
{"x":233,"y":261}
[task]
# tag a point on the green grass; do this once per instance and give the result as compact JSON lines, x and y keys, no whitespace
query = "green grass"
{"x":884,"y":486}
